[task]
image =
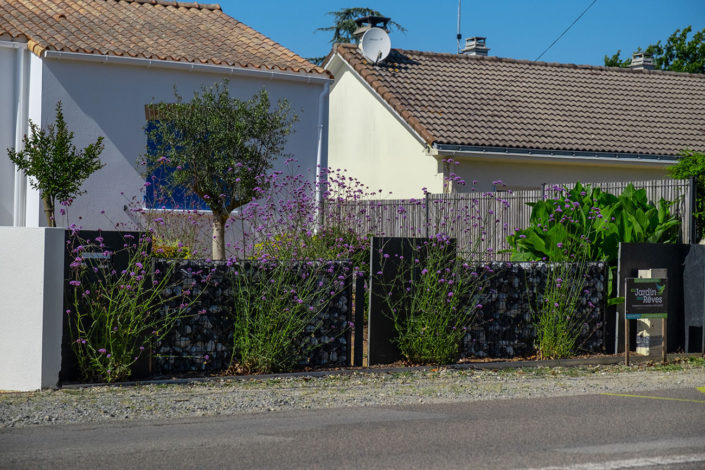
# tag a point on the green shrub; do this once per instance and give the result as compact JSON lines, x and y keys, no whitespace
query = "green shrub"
{"x":433,"y":299}
{"x":278,"y":306}
{"x":165,"y":249}
{"x":692,"y":164}
{"x":328,"y":244}
{"x":116,"y":316}
{"x":555,"y":316}
{"x":607,"y":219}
{"x":587,"y":214}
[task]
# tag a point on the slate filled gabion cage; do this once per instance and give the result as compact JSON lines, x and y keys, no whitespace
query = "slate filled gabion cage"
{"x":202,"y":340}
{"x":504,"y":327}
{"x":504,"y":301}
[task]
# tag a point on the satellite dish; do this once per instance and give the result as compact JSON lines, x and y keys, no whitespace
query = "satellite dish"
{"x":375,"y":45}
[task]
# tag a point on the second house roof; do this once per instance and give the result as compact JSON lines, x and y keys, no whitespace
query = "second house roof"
{"x":464,"y":100}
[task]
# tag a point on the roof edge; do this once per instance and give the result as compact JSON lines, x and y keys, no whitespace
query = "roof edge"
{"x":172,"y":3}
{"x":314,"y":68}
{"x":43,"y":51}
{"x":414,"y":132}
{"x":26,"y":43}
{"x":35,"y":47}
{"x":387,"y":97}
{"x":285,"y":60}
{"x":309,"y":77}
{"x":13,"y":44}
{"x":545,"y":64}
{"x":548,"y":153}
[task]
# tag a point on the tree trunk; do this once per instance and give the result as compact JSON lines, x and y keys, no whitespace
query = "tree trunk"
{"x":49,"y":211}
{"x":218,"y":237}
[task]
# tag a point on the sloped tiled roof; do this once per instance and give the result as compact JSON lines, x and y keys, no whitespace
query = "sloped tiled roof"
{"x":494,"y":102}
{"x":152,"y":29}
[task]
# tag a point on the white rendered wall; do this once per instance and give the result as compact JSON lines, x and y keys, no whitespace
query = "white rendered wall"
{"x":8,"y":108}
{"x":34,"y":212}
{"x":375,"y":147}
{"x":108,"y":100}
{"x":520,"y":174}
{"x":31,"y":306}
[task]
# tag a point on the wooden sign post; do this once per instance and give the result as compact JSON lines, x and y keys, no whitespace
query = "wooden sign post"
{"x":646,"y":298}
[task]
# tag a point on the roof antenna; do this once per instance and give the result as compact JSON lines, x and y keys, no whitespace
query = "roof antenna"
{"x":458,"y":36}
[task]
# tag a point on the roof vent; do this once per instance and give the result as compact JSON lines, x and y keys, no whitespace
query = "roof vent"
{"x":642,"y":61}
{"x":475,"y":46}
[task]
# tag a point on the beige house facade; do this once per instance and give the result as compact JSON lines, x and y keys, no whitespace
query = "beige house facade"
{"x":395,"y":125}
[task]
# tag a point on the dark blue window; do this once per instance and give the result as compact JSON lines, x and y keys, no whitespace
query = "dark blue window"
{"x":158,"y":194}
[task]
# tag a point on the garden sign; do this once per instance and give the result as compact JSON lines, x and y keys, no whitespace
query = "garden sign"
{"x":646,"y":298}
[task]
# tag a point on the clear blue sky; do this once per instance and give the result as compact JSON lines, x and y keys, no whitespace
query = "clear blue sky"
{"x":520,"y":29}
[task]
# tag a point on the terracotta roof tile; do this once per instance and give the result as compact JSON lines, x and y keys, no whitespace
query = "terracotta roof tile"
{"x":489,"y":101}
{"x":152,"y":29}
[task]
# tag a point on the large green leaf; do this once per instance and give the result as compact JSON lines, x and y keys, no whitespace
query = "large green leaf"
{"x":585,"y":213}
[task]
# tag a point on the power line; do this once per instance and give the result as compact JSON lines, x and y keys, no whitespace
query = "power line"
{"x":566,"y":30}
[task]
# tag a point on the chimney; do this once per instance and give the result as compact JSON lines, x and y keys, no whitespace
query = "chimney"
{"x":369,"y":22}
{"x":642,"y":61}
{"x":475,"y":46}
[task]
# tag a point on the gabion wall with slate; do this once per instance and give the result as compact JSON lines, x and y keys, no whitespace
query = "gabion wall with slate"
{"x":503,"y":327}
{"x":203,"y":339}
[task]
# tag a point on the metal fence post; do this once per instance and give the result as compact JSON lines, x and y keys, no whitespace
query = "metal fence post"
{"x":428,"y":199}
{"x":693,"y":190}
{"x":359,"y":319}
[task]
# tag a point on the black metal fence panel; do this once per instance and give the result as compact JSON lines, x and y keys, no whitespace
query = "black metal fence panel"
{"x":694,"y":299}
{"x":636,"y":256}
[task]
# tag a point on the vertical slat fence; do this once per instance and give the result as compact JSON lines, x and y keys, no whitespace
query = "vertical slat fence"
{"x":480,"y":222}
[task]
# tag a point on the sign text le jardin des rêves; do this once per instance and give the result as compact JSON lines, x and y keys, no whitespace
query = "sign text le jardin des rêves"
{"x":646,"y":298}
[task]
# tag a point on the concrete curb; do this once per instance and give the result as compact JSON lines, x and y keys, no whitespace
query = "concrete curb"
{"x":594,"y":361}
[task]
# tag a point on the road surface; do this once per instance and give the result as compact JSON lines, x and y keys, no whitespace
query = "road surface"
{"x":664,"y":429}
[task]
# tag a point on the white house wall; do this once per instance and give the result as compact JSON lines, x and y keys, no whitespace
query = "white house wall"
{"x":34,"y":214}
{"x":8,"y":109}
{"x":31,"y":300}
{"x":108,"y":100}
{"x":520,"y":174}
{"x":370,"y":142}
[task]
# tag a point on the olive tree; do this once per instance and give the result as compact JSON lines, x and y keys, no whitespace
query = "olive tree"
{"x":57,"y":169}
{"x":217,"y":147}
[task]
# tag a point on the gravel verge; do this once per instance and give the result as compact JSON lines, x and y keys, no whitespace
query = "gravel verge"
{"x":230,"y":396}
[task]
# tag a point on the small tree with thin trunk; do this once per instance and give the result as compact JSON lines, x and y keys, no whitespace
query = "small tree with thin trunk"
{"x":217,"y":147}
{"x":57,"y":169}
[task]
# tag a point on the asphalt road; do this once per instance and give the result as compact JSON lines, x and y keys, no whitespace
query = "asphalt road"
{"x":581,"y":432}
